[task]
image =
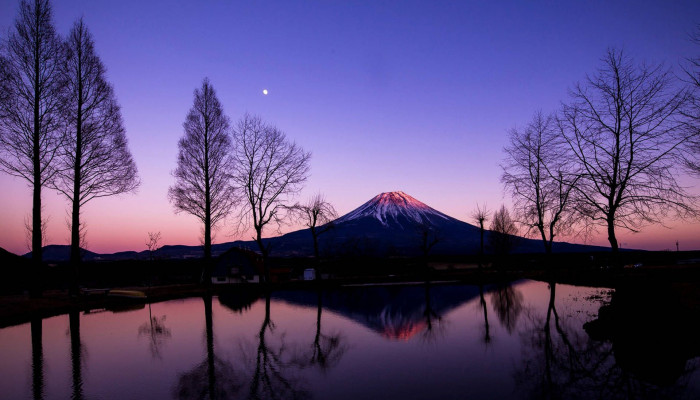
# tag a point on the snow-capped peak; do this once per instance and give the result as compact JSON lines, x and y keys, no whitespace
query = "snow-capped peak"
{"x":392,"y":205}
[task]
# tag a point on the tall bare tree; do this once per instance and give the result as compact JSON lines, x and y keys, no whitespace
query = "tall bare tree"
{"x":270,"y":170}
{"x":624,"y":131}
{"x":95,"y":159}
{"x":317,"y":214}
{"x":30,"y":124}
{"x":539,"y":183}
{"x":503,"y":231}
{"x":202,"y":177}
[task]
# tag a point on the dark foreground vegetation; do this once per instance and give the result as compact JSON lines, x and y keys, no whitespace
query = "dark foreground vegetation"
{"x":167,"y":279}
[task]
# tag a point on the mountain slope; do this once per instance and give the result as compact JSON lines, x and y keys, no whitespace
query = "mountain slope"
{"x":395,"y":223}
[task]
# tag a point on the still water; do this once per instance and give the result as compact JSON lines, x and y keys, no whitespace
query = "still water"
{"x":425,"y":341}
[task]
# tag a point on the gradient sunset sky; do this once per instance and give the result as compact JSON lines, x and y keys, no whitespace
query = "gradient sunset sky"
{"x":387,"y":95}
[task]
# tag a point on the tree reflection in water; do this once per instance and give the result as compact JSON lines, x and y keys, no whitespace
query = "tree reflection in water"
{"x":486,"y":339}
{"x":213,"y":378}
{"x":508,"y":304}
{"x":326,"y":350}
{"x":76,"y":354}
{"x":37,"y":359}
{"x":561,"y":361}
{"x":434,"y":324}
{"x":272,"y":376}
{"x":156,"y":331}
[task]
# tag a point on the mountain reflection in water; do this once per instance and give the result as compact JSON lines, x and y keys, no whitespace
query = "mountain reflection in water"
{"x":427,"y":340}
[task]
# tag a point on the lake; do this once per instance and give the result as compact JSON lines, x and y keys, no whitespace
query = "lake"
{"x":520,"y":340}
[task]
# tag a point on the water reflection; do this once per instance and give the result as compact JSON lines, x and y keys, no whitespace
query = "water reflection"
{"x":327,"y":349}
{"x":486,"y":339}
{"x":561,"y":361}
{"x":508,"y":304}
{"x":272,"y":377}
{"x":37,"y":359}
{"x":368,"y":342}
{"x":214,"y":377}
{"x":395,"y":312}
{"x":76,"y":354}
{"x":156,"y":332}
{"x":652,"y":333}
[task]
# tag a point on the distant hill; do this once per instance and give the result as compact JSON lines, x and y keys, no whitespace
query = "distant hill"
{"x":389,"y":224}
{"x":7,"y":258}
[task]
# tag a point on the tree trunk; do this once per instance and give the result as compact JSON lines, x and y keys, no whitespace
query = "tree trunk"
{"x":611,"y":235}
{"x":37,"y":278}
{"x":317,"y":260}
{"x":207,"y":201}
{"x":75,"y":257}
{"x":263,"y":250}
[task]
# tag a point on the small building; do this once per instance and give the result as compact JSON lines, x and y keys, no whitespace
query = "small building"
{"x":309,"y":274}
{"x":238,"y":265}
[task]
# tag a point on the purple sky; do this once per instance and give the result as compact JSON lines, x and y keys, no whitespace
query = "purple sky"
{"x":412,"y":96}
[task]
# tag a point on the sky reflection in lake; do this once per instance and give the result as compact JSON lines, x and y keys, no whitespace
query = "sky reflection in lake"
{"x":418,"y":341}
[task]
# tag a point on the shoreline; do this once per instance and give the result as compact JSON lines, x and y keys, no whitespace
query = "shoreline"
{"x":20,"y":308}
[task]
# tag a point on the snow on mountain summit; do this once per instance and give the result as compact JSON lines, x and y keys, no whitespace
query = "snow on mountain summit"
{"x":392,"y":205}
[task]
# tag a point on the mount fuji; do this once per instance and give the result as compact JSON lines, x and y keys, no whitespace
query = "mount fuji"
{"x":394,"y":223}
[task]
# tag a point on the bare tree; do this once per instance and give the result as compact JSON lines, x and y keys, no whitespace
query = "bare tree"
{"x":152,"y":243}
{"x":481,"y":215}
{"x":270,"y":170}
{"x":317,"y":214}
{"x":95,"y":159}
{"x":30,"y":123}
{"x":624,"y":131}
{"x":537,"y":179}
{"x":503,"y":231}
{"x":202,"y":177}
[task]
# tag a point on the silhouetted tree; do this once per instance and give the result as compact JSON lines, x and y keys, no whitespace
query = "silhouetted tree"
{"x":481,"y":215}
{"x":152,"y":243}
{"x":270,"y":170}
{"x":624,"y":131}
{"x":202,"y":177}
{"x":30,"y":127}
{"x":317,"y":214}
{"x":537,"y":179}
{"x":95,"y":159}
{"x":503,"y":231}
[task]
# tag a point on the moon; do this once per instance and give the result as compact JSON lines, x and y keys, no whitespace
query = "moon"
{"x":265,"y":92}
